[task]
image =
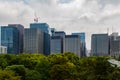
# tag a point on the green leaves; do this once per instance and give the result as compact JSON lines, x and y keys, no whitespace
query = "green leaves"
{"x":65,"y":66}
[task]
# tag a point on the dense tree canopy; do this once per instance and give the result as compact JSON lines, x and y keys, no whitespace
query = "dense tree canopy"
{"x":65,"y":66}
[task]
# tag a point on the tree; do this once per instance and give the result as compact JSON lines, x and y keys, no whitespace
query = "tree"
{"x":43,"y":68}
{"x":19,"y":70}
{"x":32,"y":75}
{"x":63,"y":72}
{"x":3,"y":63}
{"x":8,"y":75}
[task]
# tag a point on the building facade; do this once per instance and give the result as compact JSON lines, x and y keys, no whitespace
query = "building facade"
{"x":100,"y":45}
{"x":21,"y":31}
{"x":58,"y":42}
{"x":33,"y":41}
{"x":73,"y":44}
{"x":114,"y":39}
{"x":52,"y":31}
{"x":83,"y":43}
{"x":3,"y":50}
{"x":47,"y":32}
{"x":10,"y":39}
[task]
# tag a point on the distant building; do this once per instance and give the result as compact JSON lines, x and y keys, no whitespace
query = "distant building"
{"x":114,"y":45}
{"x":21,"y":31}
{"x":83,"y":43}
{"x":10,"y":39}
{"x":3,"y":50}
{"x":100,"y":45}
{"x":45,"y":28}
{"x":33,"y":41}
{"x":52,"y":31}
{"x":58,"y":42}
{"x":73,"y":44}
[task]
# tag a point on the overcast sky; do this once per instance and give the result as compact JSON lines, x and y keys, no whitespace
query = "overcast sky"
{"x":89,"y":16}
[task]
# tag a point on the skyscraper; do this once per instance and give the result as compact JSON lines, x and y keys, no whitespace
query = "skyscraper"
{"x":20,"y":30}
{"x":100,"y":45}
{"x":10,"y":39}
{"x":58,"y":42}
{"x":45,"y":28}
{"x":114,"y":45}
{"x":33,"y":41}
{"x":83,"y":43}
{"x":73,"y":44}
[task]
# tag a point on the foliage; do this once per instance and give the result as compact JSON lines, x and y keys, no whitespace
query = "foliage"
{"x":65,"y":66}
{"x":8,"y":75}
{"x":19,"y":70}
{"x":32,"y":75}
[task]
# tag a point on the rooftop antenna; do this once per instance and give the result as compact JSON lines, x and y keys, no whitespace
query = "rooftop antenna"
{"x":36,"y":18}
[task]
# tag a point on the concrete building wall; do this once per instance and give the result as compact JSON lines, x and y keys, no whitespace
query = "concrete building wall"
{"x":3,"y":50}
{"x":33,"y":40}
{"x":47,"y":32}
{"x":72,"y":44}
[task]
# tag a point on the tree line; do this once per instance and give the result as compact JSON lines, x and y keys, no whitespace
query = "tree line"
{"x":65,"y":66}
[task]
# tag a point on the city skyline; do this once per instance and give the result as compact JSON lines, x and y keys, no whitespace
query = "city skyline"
{"x":89,"y":16}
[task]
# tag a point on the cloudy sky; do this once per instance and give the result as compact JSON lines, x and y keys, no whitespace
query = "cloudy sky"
{"x":89,"y":16}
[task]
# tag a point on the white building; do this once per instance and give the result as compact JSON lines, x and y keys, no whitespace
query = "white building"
{"x":3,"y":50}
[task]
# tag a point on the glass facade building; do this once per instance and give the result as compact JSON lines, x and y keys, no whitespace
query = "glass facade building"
{"x":10,"y":39}
{"x":100,"y":45}
{"x":47,"y":32}
{"x":58,"y":42}
{"x":83,"y":43}
{"x":114,"y":39}
{"x":20,"y":30}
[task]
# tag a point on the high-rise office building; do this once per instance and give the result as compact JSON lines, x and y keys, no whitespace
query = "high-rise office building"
{"x":20,"y":30}
{"x":45,"y":28}
{"x":10,"y":39}
{"x":100,"y":45}
{"x":114,"y":39}
{"x":33,"y":41}
{"x":73,"y":44}
{"x":83,"y":43}
{"x":58,"y":42}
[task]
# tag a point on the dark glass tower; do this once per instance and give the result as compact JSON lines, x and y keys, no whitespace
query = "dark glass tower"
{"x":10,"y":38}
{"x":20,"y":29}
